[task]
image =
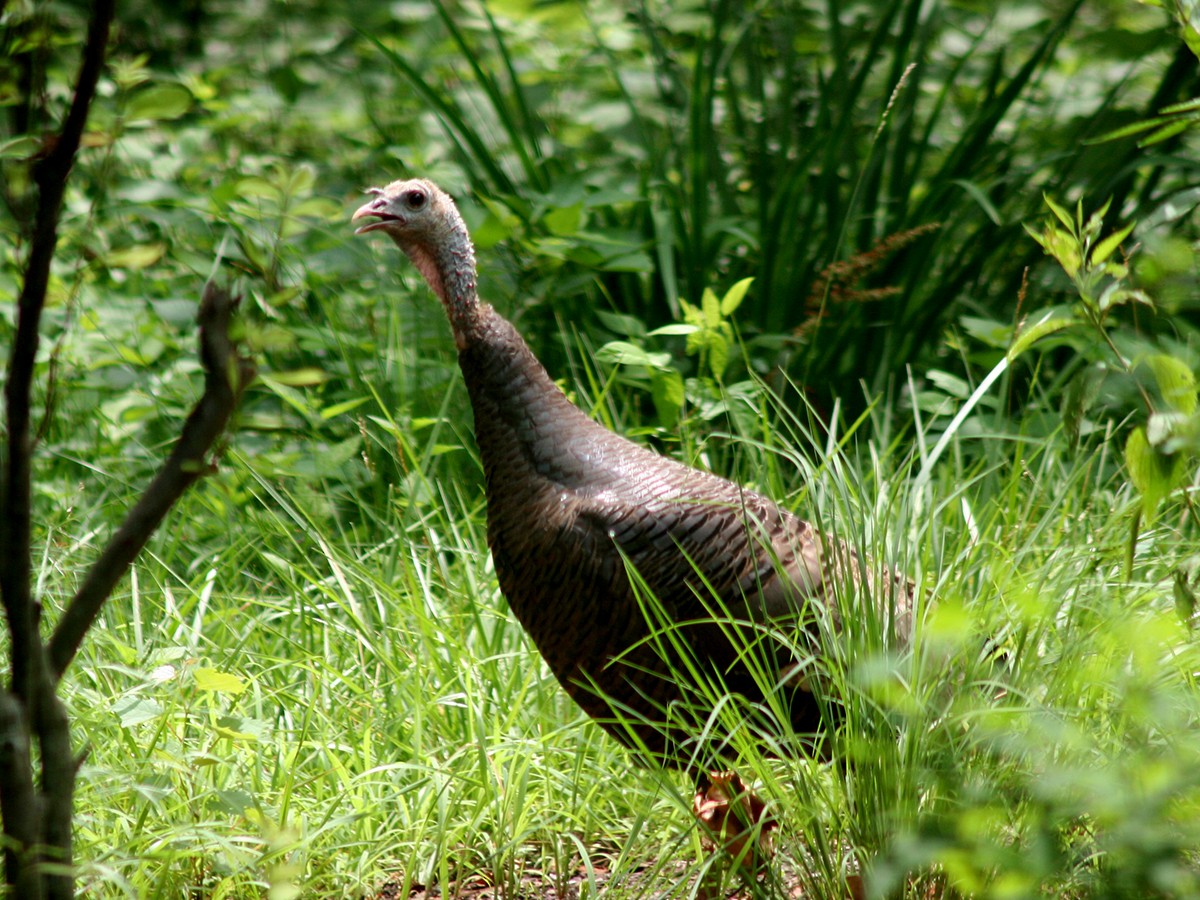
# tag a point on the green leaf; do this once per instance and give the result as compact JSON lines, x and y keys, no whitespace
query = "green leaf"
{"x":301,"y":181}
{"x":1104,"y":249}
{"x":319,"y":208}
{"x":138,"y":256}
{"x":988,"y":331}
{"x":1167,"y":131}
{"x":1028,"y":336}
{"x":981,"y":198}
{"x":1081,"y":393}
{"x":1065,"y":248}
{"x":711,"y":307}
{"x":718,"y":354}
{"x":1152,"y":472}
{"x":620,"y":323}
{"x":337,"y":409}
{"x":258,"y":188}
{"x":1060,"y":213}
{"x":218,"y":682}
{"x":21,"y":147}
{"x":309,"y":376}
{"x":242,"y":728}
{"x":1176,"y":381}
{"x":734,"y":296}
{"x":133,"y":711}
{"x":673,"y":330}
{"x":623,"y":353}
{"x":950,"y":384}
{"x":1185,"y":598}
{"x":565,"y":220}
{"x":159,"y":101}
{"x":666,"y":389}
{"x":1128,"y":130}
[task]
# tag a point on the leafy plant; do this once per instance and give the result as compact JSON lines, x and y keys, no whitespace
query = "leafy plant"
{"x":1161,"y":454}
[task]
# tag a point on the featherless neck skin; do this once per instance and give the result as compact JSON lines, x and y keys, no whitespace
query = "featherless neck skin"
{"x":449,"y":267}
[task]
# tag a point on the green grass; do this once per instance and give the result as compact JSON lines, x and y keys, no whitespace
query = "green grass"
{"x":309,"y":684}
{"x":385,"y":717}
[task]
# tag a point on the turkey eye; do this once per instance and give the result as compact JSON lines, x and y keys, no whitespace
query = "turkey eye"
{"x":414,"y":199}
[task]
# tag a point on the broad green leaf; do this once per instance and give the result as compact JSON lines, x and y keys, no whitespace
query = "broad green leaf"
{"x":133,"y":711}
{"x":136,"y":257}
{"x":1176,"y":381}
{"x":159,"y":101}
{"x":258,"y":188}
{"x":988,"y":331}
{"x":301,"y":182}
{"x":1028,"y":336}
{"x":734,"y":296}
{"x":21,"y":147}
{"x":666,"y":389}
{"x":565,"y":220}
{"x":242,"y":728}
{"x":674,"y":329}
{"x":620,"y":323}
{"x":950,"y":384}
{"x":623,"y":353}
{"x":1115,"y":295}
{"x":309,"y":376}
{"x":638,"y":261}
{"x":147,"y":351}
{"x":319,"y":208}
{"x":1064,"y":248}
{"x":218,"y":682}
{"x":1152,"y":472}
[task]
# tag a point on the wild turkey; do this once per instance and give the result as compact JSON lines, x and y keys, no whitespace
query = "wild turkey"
{"x":573,"y":509}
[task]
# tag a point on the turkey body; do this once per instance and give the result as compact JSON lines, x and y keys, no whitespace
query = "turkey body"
{"x":634,"y":574}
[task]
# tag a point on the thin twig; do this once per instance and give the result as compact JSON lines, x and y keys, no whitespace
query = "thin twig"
{"x":226,"y":375}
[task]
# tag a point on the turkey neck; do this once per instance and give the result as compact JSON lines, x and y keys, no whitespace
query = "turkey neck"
{"x":523,"y":422}
{"x":447,"y":263}
{"x":525,"y":426}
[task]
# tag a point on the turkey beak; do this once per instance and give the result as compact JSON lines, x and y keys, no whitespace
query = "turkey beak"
{"x":376,"y":208}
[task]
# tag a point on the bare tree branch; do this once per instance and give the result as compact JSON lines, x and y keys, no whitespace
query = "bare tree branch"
{"x":58,"y":792}
{"x":33,"y":721}
{"x":226,"y":375}
{"x":50,"y":174}
{"x":18,"y":799}
{"x":37,"y":824}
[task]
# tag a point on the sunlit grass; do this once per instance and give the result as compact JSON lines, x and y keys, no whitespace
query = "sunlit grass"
{"x":283,"y":702}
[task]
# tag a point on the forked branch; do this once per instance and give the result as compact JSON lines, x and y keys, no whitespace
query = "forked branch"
{"x":226,"y":374}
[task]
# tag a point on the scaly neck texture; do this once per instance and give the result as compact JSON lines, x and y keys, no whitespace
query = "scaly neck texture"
{"x":449,"y":267}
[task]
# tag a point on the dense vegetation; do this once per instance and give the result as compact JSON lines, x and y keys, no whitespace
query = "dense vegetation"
{"x":969,"y":347}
